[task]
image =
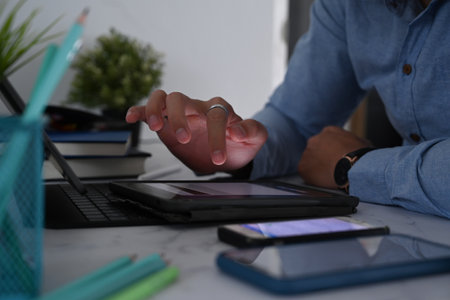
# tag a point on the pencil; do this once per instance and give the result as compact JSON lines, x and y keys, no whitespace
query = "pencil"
{"x":54,"y":69}
{"x":74,"y":286}
{"x":148,"y":286}
{"x":46,"y":63}
{"x":116,"y":281}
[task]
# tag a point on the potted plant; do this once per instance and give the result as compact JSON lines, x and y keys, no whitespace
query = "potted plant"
{"x":16,"y":40}
{"x":116,"y":73}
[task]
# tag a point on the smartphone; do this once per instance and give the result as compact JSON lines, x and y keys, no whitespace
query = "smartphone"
{"x":318,"y":265}
{"x":283,"y":232}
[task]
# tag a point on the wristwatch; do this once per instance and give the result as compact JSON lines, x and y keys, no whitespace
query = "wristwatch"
{"x":244,"y":172}
{"x":344,"y":165}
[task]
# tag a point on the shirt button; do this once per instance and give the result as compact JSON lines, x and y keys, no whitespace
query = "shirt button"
{"x":415,"y":137}
{"x":407,"y":69}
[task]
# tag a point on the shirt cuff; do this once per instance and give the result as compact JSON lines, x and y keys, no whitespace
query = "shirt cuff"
{"x":367,"y":177}
{"x":414,"y":177}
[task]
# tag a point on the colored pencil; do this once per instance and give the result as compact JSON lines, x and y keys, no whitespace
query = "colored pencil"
{"x":148,"y":286}
{"x":116,"y":281}
{"x":74,"y":286}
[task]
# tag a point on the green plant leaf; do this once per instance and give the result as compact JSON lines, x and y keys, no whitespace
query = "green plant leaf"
{"x":17,"y":41}
{"x":24,"y":62}
{"x":15,"y":48}
{"x":6,"y":26}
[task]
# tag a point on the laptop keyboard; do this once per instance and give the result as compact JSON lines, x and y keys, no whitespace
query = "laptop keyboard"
{"x":99,"y":205}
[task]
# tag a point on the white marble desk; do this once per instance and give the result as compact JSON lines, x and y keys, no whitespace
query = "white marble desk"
{"x":72,"y":253}
{"x":69,"y":254}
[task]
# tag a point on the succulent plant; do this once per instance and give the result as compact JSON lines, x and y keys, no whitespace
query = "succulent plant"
{"x":116,"y":73}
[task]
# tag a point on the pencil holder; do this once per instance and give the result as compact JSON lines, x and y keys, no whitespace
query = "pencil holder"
{"x":21,"y":209}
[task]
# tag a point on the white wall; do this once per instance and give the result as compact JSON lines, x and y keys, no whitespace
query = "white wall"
{"x":233,"y":48}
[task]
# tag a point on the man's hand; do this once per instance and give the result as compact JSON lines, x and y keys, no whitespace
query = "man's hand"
{"x":322,"y":153}
{"x":205,"y":140}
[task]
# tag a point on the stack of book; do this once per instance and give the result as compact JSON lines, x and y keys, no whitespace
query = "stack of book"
{"x":97,"y":154}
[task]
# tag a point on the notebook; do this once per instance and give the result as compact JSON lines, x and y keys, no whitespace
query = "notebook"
{"x":74,"y":204}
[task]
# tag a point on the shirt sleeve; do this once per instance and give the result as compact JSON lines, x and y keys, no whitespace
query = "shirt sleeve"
{"x":319,"y":89}
{"x":414,"y":177}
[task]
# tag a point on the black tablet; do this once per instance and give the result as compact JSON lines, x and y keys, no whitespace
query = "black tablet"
{"x":232,"y":200}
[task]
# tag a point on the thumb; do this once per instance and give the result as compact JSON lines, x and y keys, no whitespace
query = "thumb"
{"x":248,"y":131}
{"x":135,"y":113}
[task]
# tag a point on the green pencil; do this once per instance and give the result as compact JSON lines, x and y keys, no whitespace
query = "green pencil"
{"x":148,"y":286}
{"x":110,"y":284}
{"x":76,"y":285}
{"x":53,"y":69}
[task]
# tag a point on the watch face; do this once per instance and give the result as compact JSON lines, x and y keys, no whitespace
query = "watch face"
{"x":341,"y":171}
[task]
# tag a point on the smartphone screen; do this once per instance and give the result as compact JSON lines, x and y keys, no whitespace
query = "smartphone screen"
{"x":305,"y":227}
{"x":267,"y":233}
{"x":227,"y":190}
{"x":322,"y":264}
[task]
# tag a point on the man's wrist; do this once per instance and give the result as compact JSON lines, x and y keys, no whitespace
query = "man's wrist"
{"x":344,"y":165}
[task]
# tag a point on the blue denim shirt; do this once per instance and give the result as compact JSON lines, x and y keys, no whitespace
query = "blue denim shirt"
{"x":353,"y":46}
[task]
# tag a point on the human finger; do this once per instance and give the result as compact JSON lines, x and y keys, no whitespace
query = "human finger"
{"x":135,"y":113}
{"x":248,"y":131}
{"x":176,"y":109}
{"x":218,"y":112}
{"x":154,"y":110}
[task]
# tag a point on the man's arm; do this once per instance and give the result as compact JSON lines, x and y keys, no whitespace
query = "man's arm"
{"x":319,"y":89}
{"x":414,"y":177}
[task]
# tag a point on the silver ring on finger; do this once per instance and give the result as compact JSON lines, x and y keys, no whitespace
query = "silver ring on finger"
{"x":218,"y":106}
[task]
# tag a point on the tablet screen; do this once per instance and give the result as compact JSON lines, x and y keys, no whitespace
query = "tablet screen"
{"x":229,"y":189}
{"x":308,"y":259}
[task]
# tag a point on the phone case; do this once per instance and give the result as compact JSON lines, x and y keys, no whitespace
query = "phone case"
{"x":240,"y":240}
{"x":346,"y":277}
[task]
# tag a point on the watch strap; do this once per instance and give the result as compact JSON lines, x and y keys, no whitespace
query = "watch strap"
{"x":244,"y":172}
{"x":344,"y":165}
{"x":359,"y":153}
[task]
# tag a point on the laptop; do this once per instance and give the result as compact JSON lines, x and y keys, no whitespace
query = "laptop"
{"x":74,"y":204}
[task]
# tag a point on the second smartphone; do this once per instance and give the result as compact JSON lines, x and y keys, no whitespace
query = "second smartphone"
{"x":284,"y":232}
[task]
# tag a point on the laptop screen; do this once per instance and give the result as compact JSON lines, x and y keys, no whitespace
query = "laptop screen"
{"x":17,"y":105}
